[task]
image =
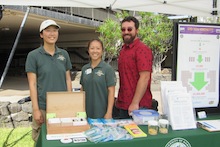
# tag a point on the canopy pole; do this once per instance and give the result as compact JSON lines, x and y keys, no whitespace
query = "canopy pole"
{"x":14,"y":47}
{"x":214,"y":6}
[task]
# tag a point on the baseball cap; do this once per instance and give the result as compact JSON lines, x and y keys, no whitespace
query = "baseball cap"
{"x":48,"y":23}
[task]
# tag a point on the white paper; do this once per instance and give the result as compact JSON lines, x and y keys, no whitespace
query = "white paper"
{"x":60,"y":136}
{"x":166,"y":87}
{"x":54,"y":120}
{"x":181,"y":114}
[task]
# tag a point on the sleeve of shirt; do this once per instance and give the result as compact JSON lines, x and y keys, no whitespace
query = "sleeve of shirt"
{"x":144,"y":59}
{"x":31,"y":63}
{"x":110,"y":77}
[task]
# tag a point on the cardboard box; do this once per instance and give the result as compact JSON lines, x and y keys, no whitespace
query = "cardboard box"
{"x":65,"y":105}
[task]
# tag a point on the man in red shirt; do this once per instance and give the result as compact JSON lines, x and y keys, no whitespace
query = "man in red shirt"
{"x":135,"y":68}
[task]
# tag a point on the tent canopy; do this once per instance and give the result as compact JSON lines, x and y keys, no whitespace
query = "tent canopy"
{"x":178,"y":7}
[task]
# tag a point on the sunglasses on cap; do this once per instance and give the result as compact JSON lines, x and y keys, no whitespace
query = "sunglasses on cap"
{"x":128,"y":29}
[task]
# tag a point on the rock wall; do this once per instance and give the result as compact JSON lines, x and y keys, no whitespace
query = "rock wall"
{"x":165,"y":75}
{"x":15,"y":115}
{"x":156,"y":78}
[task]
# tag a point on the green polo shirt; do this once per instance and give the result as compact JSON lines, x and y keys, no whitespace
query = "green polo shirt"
{"x":50,"y":71}
{"x":95,"y":83}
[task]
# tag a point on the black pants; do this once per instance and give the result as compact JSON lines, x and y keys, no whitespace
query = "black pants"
{"x":120,"y":113}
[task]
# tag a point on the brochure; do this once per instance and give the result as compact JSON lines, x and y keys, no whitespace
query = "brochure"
{"x":209,"y":125}
{"x":100,"y":122}
{"x":180,"y":111}
{"x":135,"y":131}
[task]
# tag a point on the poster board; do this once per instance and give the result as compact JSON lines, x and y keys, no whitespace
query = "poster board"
{"x":196,"y":63}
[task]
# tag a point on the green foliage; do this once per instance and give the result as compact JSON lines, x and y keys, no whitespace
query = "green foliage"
{"x":156,"y":31}
{"x":111,"y":37}
{"x":18,"y":137}
{"x":121,"y":15}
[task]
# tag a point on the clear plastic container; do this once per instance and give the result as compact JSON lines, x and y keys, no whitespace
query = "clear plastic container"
{"x":141,"y":117}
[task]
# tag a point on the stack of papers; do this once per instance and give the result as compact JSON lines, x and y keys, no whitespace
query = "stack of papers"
{"x":177,"y":105}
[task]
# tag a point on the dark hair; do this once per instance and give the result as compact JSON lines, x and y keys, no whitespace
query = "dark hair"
{"x":131,"y":18}
{"x":96,"y":40}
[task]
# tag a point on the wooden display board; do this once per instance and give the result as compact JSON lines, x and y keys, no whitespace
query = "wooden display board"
{"x":65,"y":105}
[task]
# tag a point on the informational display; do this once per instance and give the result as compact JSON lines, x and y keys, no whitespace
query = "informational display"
{"x":198,"y":52}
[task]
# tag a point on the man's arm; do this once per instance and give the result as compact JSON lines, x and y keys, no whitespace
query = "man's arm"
{"x":140,"y":90}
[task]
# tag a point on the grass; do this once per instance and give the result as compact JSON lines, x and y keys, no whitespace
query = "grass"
{"x":16,"y":137}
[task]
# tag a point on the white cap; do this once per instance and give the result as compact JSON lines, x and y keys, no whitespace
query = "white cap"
{"x":48,"y":23}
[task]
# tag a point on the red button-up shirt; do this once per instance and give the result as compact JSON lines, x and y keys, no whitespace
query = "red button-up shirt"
{"x":133,"y":58}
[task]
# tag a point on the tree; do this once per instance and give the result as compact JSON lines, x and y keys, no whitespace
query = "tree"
{"x":111,"y":37}
{"x":155,"y":30}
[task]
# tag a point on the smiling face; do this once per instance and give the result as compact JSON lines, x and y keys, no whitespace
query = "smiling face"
{"x":50,"y":35}
{"x":95,"y":50}
{"x":129,"y":32}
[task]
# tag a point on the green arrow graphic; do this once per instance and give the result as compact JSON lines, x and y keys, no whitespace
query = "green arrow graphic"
{"x":199,"y":58}
{"x":199,"y":82}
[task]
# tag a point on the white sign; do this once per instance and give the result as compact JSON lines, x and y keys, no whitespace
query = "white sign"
{"x":198,"y":62}
{"x":181,"y":114}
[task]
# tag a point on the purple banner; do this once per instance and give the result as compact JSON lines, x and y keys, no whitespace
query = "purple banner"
{"x":199,"y":30}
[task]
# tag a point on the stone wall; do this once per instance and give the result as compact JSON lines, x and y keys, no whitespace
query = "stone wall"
{"x":165,"y":75}
{"x":15,"y":115}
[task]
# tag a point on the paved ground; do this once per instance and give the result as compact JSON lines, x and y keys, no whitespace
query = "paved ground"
{"x":16,"y":88}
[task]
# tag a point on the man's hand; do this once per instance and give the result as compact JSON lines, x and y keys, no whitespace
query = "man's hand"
{"x":132,"y":107}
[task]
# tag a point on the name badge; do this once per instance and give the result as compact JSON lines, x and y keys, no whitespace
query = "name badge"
{"x":88,"y":71}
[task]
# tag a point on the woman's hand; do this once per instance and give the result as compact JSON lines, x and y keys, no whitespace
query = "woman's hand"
{"x":38,"y":116}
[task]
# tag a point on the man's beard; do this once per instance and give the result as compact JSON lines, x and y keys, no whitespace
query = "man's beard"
{"x":130,"y":40}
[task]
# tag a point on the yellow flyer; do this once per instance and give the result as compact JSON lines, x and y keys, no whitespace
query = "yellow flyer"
{"x":135,"y":131}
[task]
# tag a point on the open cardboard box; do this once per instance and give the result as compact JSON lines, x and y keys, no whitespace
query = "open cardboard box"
{"x":65,"y":105}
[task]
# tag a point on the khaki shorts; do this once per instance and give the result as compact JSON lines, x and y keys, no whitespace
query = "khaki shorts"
{"x":36,"y":128}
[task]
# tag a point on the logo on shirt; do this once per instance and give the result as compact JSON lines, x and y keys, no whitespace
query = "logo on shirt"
{"x":99,"y":73}
{"x":61,"y":57}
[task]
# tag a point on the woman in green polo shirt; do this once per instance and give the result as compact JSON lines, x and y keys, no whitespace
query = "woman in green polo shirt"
{"x":48,"y":69}
{"x":98,"y":80}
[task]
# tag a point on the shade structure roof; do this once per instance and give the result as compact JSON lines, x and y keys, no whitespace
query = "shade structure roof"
{"x":176,"y":7}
